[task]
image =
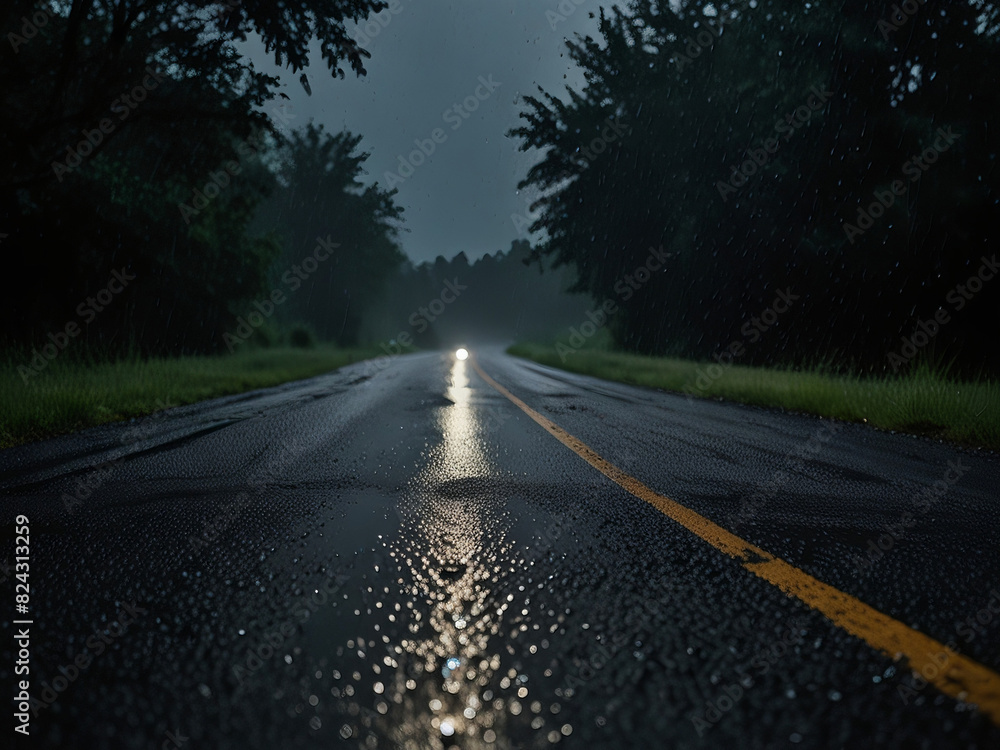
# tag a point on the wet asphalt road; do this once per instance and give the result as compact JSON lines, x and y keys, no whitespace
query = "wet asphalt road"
{"x":399,"y":557}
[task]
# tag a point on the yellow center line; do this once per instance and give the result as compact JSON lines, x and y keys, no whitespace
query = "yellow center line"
{"x":950,"y":672}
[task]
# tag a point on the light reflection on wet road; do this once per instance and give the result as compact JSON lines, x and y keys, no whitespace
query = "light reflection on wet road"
{"x":455,"y":548}
{"x":442,"y":675}
{"x":491,"y":590}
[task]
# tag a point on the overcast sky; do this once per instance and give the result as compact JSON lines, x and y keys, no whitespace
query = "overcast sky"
{"x":426,"y":59}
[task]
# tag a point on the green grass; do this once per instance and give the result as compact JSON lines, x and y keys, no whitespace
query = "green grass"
{"x":921,"y":402}
{"x":70,"y":394}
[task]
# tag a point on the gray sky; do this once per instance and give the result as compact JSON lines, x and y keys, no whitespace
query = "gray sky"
{"x":426,"y":59}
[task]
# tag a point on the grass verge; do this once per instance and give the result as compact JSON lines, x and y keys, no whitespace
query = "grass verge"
{"x":921,"y":402}
{"x":70,"y":395}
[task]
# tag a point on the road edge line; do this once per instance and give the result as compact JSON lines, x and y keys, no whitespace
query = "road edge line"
{"x":950,"y":672}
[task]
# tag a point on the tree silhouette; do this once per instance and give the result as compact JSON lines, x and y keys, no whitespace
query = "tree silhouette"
{"x":701,"y":88}
{"x":116,"y":115}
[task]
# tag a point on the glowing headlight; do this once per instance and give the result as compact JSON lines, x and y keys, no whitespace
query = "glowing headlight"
{"x":462,"y":354}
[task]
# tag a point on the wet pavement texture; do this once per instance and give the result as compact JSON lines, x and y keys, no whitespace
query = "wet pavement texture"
{"x":394,"y":555}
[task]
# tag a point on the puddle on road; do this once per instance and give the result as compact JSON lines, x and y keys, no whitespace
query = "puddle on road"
{"x":438,"y":625}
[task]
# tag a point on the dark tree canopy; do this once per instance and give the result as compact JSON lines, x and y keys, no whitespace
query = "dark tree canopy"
{"x":848,"y":102}
{"x":134,"y":138}
{"x":323,"y":196}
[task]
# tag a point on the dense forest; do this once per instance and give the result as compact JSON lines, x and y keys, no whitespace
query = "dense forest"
{"x":502,"y":297}
{"x":816,"y":183}
{"x":837,"y":153}
{"x":144,"y":169}
{"x":154,"y":201}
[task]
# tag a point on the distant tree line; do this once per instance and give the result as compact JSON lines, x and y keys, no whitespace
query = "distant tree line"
{"x":845,"y":153}
{"x":501,"y":297}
